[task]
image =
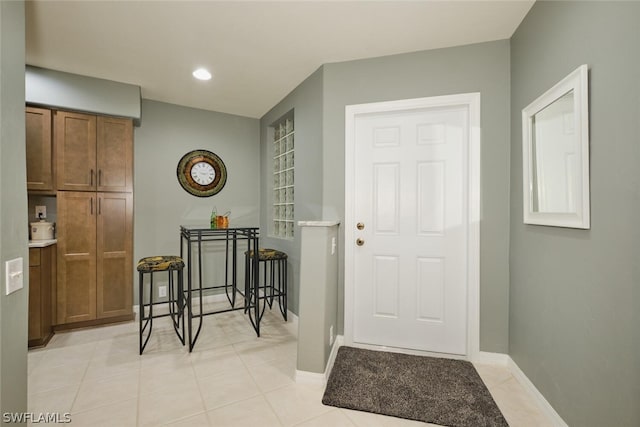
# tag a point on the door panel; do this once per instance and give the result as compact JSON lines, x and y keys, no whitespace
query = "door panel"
{"x":114,"y":154}
{"x":431,"y":190}
{"x":411,"y":175}
{"x":76,"y":256}
{"x":39,"y":152}
{"x":35,"y":301}
{"x":114,"y":254}
{"x":386,"y":194}
{"x":385,"y":287}
{"x":75,"y":139}
{"x":430,"y":283}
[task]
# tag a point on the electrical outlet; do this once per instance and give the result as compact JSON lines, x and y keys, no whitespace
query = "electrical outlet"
{"x":162,"y":291}
{"x":331,"y":335}
{"x":41,"y":212}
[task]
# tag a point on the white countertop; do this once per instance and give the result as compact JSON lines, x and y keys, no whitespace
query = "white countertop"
{"x":42,"y":243}
{"x":318,"y":223}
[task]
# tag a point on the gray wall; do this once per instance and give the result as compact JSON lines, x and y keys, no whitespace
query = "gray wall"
{"x":575,"y":294}
{"x":306,"y":103}
{"x":318,"y":297}
{"x":161,"y":205}
{"x":480,"y":68}
{"x":13,"y":208}
{"x":81,"y":93}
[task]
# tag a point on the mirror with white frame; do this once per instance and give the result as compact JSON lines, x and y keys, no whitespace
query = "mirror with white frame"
{"x":555,"y":151}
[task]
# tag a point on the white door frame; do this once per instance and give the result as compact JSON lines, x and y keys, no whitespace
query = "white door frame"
{"x":472,"y":102}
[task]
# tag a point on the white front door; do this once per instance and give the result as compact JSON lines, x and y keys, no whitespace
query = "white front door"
{"x":410,"y":226}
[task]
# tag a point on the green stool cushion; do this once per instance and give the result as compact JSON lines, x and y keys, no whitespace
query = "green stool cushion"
{"x":160,"y":263}
{"x":267,"y":254}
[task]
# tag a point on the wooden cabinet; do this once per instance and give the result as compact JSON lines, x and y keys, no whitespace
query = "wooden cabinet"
{"x":42,"y":280}
{"x":88,"y":159}
{"x":40,"y":167}
{"x":95,"y":256}
{"x":94,"y":153}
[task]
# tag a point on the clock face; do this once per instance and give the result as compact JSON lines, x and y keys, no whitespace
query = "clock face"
{"x":201,"y":173}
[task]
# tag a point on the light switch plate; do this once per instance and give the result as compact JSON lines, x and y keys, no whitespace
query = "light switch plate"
{"x":14,"y":275}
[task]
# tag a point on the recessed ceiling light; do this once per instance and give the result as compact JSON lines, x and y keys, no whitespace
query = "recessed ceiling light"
{"x":202,"y":74}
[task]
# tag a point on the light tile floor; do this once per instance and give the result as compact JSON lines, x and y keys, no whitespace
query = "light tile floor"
{"x":231,"y":378}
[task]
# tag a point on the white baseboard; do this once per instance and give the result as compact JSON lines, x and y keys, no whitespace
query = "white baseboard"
{"x":505,"y":360}
{"x":486,"y":357}
{"x":544,"y":405}
{"x":339,"y":342}
{"x":305,"y":377}
{"x":294,"y":317}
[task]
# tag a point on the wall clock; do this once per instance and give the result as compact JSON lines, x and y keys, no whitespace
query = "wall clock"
{"x":201,"y":173}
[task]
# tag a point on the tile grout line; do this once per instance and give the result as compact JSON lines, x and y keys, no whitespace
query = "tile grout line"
{"x":259,"y":389}
{"x":195,"y":376}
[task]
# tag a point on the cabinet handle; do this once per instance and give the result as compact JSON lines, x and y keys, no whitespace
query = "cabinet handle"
{"x":100,"y":206}
{"x":91,"y":202}
{"x":99,"y":177}
{"x":91,"y":178}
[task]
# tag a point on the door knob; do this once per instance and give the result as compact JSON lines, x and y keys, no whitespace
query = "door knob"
{"x":359,"y":242}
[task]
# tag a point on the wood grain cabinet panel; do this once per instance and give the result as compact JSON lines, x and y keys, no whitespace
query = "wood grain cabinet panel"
{"x":76,"y":256}
{"x":114,"y":154}
{"x":75,"y":141}
{"x":95,"y":260}
{"x":40,"y":168}
{"x":114,"y":254}
{"x":94,"y":153}
{"x":41,"y":292}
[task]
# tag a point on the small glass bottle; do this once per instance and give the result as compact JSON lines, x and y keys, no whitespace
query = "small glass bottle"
{"x":214,"y":219}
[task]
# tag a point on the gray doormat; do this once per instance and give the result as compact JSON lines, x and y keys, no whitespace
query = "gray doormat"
{"x":439,"y":391}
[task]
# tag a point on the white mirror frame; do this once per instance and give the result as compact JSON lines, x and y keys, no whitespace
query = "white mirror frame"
{"x":578,"y":82}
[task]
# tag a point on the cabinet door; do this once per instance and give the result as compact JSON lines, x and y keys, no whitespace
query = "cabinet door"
{"x":75,"y":140}
{"x":40,"y":288}
{"x":114,"y":254}
{"x":39,"y":149}
{"x":35,"y":296}
{"x":46,"y":291}
{"x":76,"y":285}
{"x":115,"y":154}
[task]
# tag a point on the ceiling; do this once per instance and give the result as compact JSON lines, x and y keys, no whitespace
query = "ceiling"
{"x":258,"y":51}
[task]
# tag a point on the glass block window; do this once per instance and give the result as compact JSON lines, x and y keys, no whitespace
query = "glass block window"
{"x":283,"y":162}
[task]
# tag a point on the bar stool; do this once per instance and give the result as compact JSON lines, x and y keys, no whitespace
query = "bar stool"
{"x":274,"y":270}
{"x":176,"y":300}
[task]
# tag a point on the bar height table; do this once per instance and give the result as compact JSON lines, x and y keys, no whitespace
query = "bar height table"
{"x":192,"y":237}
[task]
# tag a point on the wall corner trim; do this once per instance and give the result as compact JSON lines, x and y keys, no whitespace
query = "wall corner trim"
{"x":304,"y":377}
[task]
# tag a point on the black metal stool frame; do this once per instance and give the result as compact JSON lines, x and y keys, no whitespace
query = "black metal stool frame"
{"x":271,"y":287}
{"x":176,"y":313}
